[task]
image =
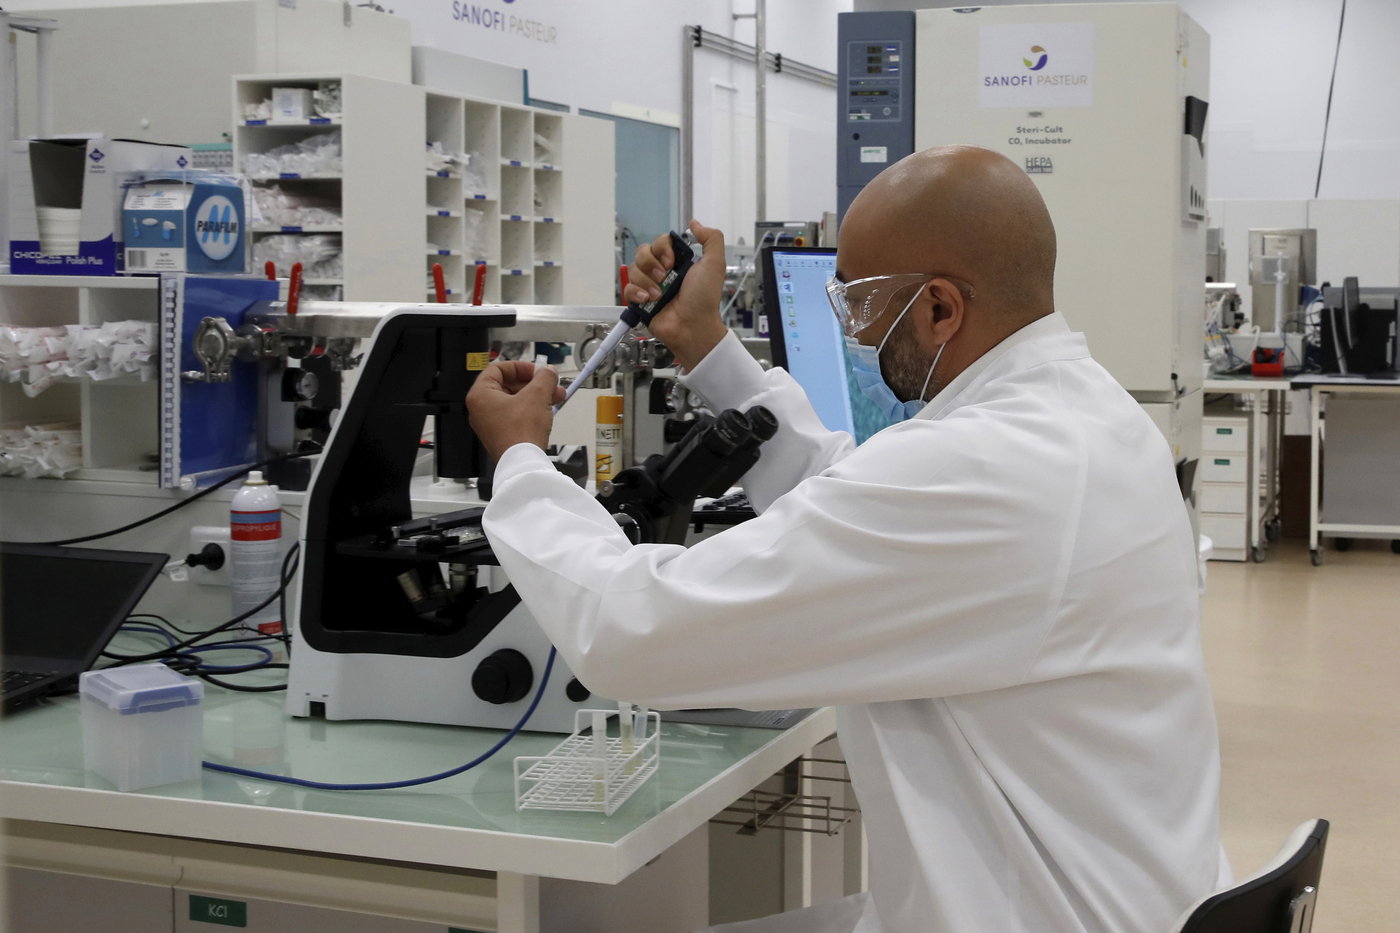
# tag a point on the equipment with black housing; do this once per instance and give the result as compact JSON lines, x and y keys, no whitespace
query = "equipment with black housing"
{"x":1358,"y":330}
{"x":655,"y":501}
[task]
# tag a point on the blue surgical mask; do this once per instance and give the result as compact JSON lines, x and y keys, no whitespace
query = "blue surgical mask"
{"x":865,"y":364}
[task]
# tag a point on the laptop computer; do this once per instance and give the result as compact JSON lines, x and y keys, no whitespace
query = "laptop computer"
{"x":59,"y":606}
{"x":807,"y":341}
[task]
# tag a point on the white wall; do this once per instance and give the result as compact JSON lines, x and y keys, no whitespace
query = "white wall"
{"x":624,"y":56}
{"x":1270,"y":66}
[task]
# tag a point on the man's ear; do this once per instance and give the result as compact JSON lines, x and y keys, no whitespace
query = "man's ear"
{"x":947,"y":311}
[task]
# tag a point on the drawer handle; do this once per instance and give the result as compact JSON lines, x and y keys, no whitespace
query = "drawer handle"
{"x":1222,"y":461}
{"x":1224,"y":430}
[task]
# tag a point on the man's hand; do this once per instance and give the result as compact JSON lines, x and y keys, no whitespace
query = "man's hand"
{"x":513,"y":403}
{"x":690,"y":325}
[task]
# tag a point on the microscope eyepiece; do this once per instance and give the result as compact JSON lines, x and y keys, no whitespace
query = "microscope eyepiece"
{"x":763,"y":423}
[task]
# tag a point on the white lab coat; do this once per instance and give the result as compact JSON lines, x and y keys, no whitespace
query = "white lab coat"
{"x":1000,"y":595}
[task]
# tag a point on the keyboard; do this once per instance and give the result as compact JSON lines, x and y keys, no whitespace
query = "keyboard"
{"x":15,"y":680}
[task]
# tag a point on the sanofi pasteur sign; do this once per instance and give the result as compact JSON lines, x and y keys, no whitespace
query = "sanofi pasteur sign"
{"x":505,"y":18}
{"x":1036,"y":65}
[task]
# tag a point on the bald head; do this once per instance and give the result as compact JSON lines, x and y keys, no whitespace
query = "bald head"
{"x":962,"y":211}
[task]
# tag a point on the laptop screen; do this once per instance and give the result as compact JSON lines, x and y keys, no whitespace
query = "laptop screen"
{"x":63,"y":604}
{"x":807,"y":339}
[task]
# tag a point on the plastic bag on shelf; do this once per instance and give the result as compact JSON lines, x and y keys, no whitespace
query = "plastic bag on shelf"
{"x":325,"y":100}
{"x":318,"y":253}
{"x":474,"y":234}
{"x":439,"y":159}
{"x":22,"y":347}
{"x":309,"y":156}
{"x":544,"y":149}
{"x":34,"y":450}
{"x":289,"y":208}
{"x":473,"y":175}
{"x":259,"y":111}
{"x":110,"y":350}
{"x":37,"y":357}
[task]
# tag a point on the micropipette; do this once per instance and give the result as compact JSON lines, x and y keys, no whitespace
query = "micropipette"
{"x":635,"y":314}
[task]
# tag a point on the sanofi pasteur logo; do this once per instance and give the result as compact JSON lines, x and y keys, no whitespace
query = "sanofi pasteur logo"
{"x":216,"y":227}
{"x":1016,"y":68}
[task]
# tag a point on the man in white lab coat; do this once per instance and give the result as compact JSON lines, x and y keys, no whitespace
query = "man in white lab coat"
{"x":999,"y":592}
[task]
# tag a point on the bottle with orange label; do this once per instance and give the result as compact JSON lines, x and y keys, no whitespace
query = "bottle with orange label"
{"x":608,"y":450}
{"x":255,"y":556}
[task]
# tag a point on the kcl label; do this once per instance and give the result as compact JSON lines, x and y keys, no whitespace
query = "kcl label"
{"x":219,"y":911}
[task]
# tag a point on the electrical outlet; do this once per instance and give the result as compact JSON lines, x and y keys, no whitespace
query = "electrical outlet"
{"x":200,"y":535}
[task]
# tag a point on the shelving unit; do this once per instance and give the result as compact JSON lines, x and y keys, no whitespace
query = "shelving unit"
{"x":119,"y":416}
{"x":380,"y":125}
{"x":542,"y":227}
{"x":540,"y":219}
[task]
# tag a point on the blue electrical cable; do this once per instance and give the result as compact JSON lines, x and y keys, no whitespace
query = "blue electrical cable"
{"x":411,"y":782}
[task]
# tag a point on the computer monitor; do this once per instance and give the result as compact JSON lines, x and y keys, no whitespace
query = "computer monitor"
{"x":807,"y":339}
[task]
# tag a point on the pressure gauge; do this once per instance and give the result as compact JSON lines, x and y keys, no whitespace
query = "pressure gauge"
{"x":299,"y":385}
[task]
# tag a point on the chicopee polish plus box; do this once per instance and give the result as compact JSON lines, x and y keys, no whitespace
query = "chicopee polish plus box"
{"x":65,"y":202}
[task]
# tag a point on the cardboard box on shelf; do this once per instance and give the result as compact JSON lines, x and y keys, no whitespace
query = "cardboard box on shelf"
{"x":186,"y":222}
{"x":59,"y":187}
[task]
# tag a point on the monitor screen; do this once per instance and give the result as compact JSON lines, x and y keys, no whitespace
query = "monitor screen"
{"x":65,"y":608}
{"x":807,"y":339}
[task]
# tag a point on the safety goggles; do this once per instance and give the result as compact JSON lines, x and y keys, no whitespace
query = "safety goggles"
{"x":860,"y":303}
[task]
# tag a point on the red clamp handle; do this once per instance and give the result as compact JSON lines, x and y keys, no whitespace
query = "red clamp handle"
{"x":439,"y":283}
{"x":294,"y":290}
{"x":479,"y":286}
{"x":270,"y":270}
{"x":623,"y":273}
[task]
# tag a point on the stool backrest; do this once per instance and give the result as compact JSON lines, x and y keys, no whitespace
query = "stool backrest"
{"x":1279,"y":898}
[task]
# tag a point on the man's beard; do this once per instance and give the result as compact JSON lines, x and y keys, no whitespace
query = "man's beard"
{"x":904,"y":365}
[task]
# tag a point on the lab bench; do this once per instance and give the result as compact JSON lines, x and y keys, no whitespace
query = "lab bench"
{"x":1357,"y":498}
{"x":453,"y":855}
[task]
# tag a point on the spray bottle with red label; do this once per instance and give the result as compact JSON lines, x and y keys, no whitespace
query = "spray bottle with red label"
{"x":255,"y":532}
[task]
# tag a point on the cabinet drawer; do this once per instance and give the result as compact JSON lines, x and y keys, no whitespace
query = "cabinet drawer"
{"x":1227,"y":435}
{"x":1229,"y":498}
{"x":1223,"y":468}
{"x":1224,"y":531}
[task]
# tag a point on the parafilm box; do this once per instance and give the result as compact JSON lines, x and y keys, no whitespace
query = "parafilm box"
{"x":193,"y":222}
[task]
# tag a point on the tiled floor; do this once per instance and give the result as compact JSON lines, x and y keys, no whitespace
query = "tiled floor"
{"x":1305,"y":666}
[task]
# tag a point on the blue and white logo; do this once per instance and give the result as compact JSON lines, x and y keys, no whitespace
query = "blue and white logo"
{"x":97,"y":155}
{"x":216,"y":227}
{"x":182,"y":162}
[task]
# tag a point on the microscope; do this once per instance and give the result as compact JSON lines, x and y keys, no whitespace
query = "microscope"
{"x":411,"y":619}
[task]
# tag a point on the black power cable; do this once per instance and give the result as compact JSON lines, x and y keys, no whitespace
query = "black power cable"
{"x":182,"y":503}
{"x":1341,"y":21}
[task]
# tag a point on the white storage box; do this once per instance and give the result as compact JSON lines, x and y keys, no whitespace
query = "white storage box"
{"x":291,"y":104}
{"x":143,"y":725}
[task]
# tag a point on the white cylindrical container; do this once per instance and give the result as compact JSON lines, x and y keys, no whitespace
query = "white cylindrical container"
{"x":255,"y":558}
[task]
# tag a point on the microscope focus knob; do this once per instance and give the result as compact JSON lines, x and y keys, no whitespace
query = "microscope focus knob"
{"x":504,"y":676}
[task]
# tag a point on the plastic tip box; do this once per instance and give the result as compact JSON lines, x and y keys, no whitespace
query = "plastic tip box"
{"x":143,"y":725}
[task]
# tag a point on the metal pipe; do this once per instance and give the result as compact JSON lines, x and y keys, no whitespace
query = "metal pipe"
{"x":690,"y":38}
{"x":760,"y":116}
{"x":43,"y":62}
{"x":695,"y":37}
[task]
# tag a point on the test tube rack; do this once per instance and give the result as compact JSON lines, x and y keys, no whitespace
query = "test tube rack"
{"x":592,"y":771}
